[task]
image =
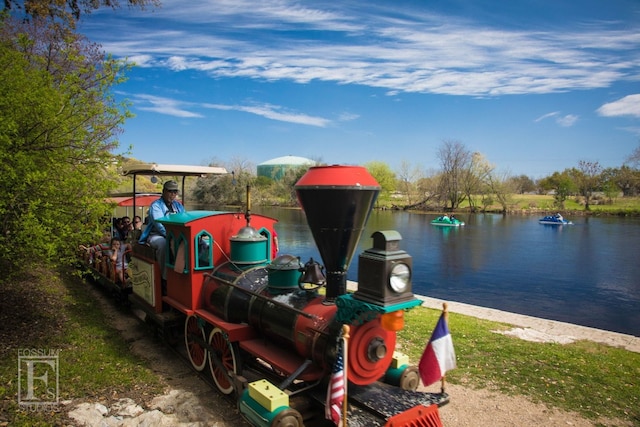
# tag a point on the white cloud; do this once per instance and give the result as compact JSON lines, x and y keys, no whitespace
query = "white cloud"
{"x":546,"y":116}
{"x":567,"y":121}
{"x":347,"y":117}
{"x":564,"y":121}
{"x":170,"y":107}
{"x":627,"y":106}
{"x":405,"y":50}
{"x":274,"y":113}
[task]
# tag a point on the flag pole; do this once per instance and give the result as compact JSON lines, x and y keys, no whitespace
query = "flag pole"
{"x":445,"y":313}
{"x":345,"y":347}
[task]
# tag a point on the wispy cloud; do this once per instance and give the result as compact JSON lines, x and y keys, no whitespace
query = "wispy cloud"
{"x":564,"y":121}
{"x":546,"y":116}
{"x":178,"y":108}
{"x":413,"y":51}
{"x":167,"y":106}
{"x":274,"y":113}
{"x":347,"y":117}
{"x":627,"y":106}
{"x":567,"y":121}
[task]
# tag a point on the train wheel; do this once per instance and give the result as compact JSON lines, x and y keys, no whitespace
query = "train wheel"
{"x":194,"y":339}
{"x":287,"y":418}
{"x":226,"y":354}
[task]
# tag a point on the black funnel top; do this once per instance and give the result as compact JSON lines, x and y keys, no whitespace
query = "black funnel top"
{"x":337,"y":201}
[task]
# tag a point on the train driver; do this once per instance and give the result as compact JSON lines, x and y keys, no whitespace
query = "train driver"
{"x":155,"y":234}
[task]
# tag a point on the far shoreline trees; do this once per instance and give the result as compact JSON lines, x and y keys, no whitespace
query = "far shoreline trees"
{"x":467,"y":180}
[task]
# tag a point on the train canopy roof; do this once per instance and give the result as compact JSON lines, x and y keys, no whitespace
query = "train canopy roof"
{"x":181,"y":170}
{"x":126,"y":199}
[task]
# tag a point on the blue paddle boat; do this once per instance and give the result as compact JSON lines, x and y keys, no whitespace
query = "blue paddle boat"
{"x":556,"y":219}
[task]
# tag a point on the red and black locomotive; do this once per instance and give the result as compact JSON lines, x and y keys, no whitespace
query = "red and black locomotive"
{"x":268,"y":330}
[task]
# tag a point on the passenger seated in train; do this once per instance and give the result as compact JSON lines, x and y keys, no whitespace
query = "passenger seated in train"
{"x":95,"y":252}
{"x":121,"y":227}
{"x":155,"y":235}
{"x":118,"y":258}
{"x":136,"y":230}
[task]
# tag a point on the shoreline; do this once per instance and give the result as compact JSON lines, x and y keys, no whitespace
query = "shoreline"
{"x":536,"y":328}
{"x":564,"y":332}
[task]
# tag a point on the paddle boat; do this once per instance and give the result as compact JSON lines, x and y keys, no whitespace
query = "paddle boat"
{"x":556,"y":219}
{"x":446,"y":221}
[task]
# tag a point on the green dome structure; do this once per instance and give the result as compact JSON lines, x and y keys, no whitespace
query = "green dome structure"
{"x":276,"y":168}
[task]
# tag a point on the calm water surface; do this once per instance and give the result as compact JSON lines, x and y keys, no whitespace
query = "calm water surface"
{"x":587,"y":273}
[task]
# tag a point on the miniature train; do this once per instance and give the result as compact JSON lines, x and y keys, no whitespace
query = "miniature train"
{"x":268,"y":329}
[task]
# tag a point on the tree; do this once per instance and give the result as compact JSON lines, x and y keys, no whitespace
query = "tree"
{"x":501,"y":184}
{"x":562,"y":185}
{"x":57,"y":129}
{"x":407,"y":176}
{"x":284,"y":188}
{"x":454,"y":159}
{"x":383,"y":174}
{"x":587,"y":179}
{"x":634,"y":158}
{"x":476,"y":177}
{"x":67,"y":11}
{"x":623,"y":180}
{"x":215,"y":192}
{"x":523,"y":184}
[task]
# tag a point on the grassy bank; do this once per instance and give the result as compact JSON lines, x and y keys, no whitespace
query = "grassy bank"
{"x":47,"y":311}
{"x":536,"y":204}
{"x":592,"y":379}
{"x":57,"y":315}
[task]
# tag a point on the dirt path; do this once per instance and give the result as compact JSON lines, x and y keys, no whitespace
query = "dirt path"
{"x":191,"y":401}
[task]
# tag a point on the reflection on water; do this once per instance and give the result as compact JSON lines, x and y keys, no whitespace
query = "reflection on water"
{"x":587,"y":273}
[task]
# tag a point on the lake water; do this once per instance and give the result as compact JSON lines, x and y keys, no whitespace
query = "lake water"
{"x":587,"y":273}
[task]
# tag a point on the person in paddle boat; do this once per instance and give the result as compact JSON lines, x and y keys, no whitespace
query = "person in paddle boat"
{"x":559,"y":217}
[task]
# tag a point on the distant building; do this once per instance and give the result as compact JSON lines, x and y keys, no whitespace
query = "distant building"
{"x":276,"y":168}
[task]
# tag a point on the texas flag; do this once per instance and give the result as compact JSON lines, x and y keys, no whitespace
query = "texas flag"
{"x":439,"y":356}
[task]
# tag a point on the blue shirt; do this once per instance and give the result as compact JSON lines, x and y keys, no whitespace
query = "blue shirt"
{"x":159,"y":209}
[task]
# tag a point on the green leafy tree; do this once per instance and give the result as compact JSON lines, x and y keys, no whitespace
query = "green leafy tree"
{"x":383,"y":174}
{"x":284,"y":188}
{"x":58,"y":124}
{"x":523,"y":184}
{"x":562,"y":185}
{"x":624,"y":179}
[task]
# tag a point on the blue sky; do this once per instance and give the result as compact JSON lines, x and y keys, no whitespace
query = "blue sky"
{"x":533,"y":85}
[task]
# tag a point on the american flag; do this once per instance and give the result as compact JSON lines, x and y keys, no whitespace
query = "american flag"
{"x":335,"y":391}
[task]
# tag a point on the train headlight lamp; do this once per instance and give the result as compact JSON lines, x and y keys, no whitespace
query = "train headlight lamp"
{"x":400,"y":278}
{"x":384,"y":271}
